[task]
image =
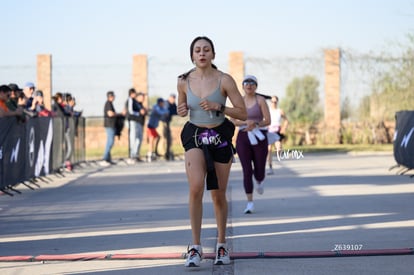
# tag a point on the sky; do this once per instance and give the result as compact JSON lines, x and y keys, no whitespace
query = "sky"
{"x":92,"y":32}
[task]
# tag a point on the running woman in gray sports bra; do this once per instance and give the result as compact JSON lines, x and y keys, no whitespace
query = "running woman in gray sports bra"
{"x":206,"y":137}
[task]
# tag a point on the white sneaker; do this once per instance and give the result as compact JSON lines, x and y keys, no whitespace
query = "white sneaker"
{"x":249,"y":208}
{"x":259,"y":187}
{"x":104,"y":163}
{"x":270,"y":172}
{"x":222,"y":255}
{"x":149,"y":157}
{"x":131,"y":161}
{"x":194,"y":255}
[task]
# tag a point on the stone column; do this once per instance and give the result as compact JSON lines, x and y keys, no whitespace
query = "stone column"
{"x":332,"y":95}
{"x":236,"y":68}
{"x":44,"y":78}
{"x":140,"y":74}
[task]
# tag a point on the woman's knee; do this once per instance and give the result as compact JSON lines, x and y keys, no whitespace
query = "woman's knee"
{"x":218,"y":197}
{"x":196,"y":191}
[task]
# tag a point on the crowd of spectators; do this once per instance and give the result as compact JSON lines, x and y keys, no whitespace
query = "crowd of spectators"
{"x":136,"y":114}
{"x":29,"y":102}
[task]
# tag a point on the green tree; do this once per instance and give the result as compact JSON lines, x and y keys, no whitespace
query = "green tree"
{"x":301,"y":103}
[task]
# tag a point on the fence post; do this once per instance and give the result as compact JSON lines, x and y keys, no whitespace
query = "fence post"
{"x":332,"y":95}
{"x":236,"y":68}
{"x":140,"y":74}
{"x":44,"y":77}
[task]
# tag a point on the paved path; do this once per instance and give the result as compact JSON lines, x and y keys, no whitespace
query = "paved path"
{"x":133,"y":219}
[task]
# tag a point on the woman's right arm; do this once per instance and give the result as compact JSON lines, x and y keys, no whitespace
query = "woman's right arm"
{"x":182,"y":109}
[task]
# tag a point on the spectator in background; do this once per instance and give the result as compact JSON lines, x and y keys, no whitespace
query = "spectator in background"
{"x":66,"y":98}
{"x":60,"y":109}
{"x":21,"y":103}
{"x":70,"y":106}
{"x":38,"y":105}
{"x":4,"y":96}
{"x":172,"y":109}
{"x":14,"y":103}
{"x":158,"y":112}
{"x":109,"y":124}
{"x":141,"y":121}
{"x":277,"y":130}
{"x":135,"y":131}
{"x":57,"y":105}
{"x":28,"y":90}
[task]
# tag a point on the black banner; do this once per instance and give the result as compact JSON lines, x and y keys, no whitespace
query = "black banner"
{"x":404,"y":139}
{"x":39,"y":136}
{"x":58,"y":143}
{"x":13,"y":152}
{"x":37,"y":147}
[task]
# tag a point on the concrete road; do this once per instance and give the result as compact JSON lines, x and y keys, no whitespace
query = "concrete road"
{"x":319,"y":214}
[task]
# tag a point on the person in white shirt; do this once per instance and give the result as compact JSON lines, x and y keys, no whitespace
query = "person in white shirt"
{"x":276,"y":131}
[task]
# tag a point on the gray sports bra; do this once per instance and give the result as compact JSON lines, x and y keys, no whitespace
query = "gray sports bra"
{"x":199,"y":116}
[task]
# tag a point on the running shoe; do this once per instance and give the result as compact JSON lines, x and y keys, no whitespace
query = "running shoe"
{"x":249,"y":208}
{"x":259,"y":187}
{"x":222,"y":256}
{"x":270,"y":172}
{"x":193,"y":257}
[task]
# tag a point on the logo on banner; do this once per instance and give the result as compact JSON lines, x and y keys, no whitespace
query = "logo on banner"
{"x":31,"y":147}
{"x":406,"y":138}
{"x":43,"y":155}
{"x":15,"y":152}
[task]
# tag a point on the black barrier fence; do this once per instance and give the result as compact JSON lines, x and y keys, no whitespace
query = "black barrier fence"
{"x":38,"y":147}
{"x":404,"y":139}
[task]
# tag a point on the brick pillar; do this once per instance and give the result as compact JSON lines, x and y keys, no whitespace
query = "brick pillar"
{"x":332,"y":94}
{"x":236,"y":68}
{"x":140,"y":74}
{"x":44,"y":77}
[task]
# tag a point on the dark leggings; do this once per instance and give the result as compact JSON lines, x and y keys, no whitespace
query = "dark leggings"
{"x":249,"y":154}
